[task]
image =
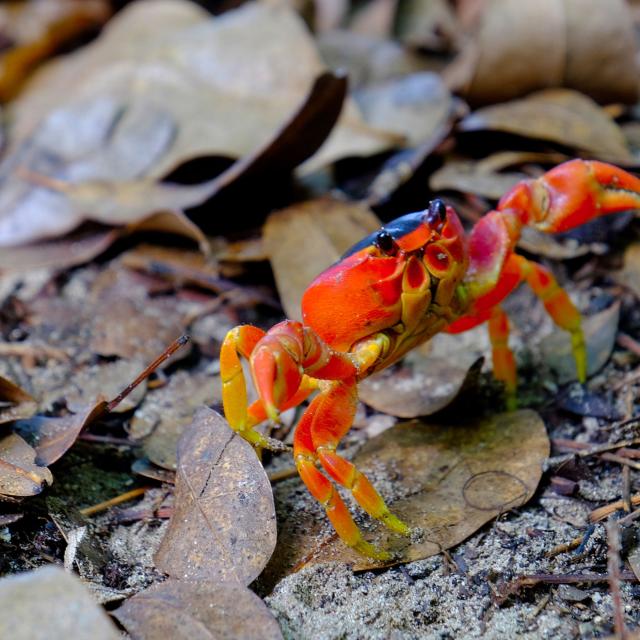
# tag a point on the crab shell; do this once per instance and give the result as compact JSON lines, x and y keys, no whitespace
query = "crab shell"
{"x":362,"y":293}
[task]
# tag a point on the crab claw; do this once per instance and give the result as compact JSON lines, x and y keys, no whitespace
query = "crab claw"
{"x":276,"y":369}
{"x":571,"y":194}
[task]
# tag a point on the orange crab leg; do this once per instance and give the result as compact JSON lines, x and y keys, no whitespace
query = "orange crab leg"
{"x":504,"y":364}
{"x":324,"y":423}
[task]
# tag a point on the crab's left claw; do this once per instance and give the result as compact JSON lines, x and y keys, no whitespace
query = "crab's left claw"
{"x":571,"y":194}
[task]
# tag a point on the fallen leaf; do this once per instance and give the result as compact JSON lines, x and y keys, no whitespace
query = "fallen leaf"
{"x":448,"y":480}
{"x":15,"y":402}
{"x":468,"y":176}
{"x":427,"y":25}
{"x":49,"y":603}
{"x":420,"y":385}
{"x":556,"y":115}
{"x":20,"y":475}
{"x":520,"y":47}
{"x":55,"y":436}
{"x":600,"y":335}
{"x":199,"y":609}
{"x":36,"y":30}
{"x":146,"y":469}
{"x":167,"y":412}
{"x":223,"y":527}
{"x":164,"y":84}
{"x":415,"y":105}
{"x":367,"y":59}
{"x":629,"y":275}
{"x":306,"y":238}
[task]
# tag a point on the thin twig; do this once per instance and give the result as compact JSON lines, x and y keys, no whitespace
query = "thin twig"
{"x":107,"y":504}
{"x":612,"y":457}
{"x":603,"y":512}
{"x":165,"y":355}
{"x":613,"y":566}
{"x":626,"y":488}
{"x":283,"y":474}
{"x":563,"y":548}
{"x":602,"y":448}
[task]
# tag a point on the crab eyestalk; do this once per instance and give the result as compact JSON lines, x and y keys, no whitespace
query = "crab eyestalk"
{"x":572,"y":194}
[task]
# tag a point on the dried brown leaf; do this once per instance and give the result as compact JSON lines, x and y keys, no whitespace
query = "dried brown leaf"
{"x":415,"y":106}
{"x":600,"y":335}
{"x":20,"y":475}
{"x":55,"y":436}
{"x":164,"y":84}
{"x":39,"y":29}
{"x":223,"y":527}
{"x":557,"y":115}
{"x":199,"y":609}
{"x":468,"y":176}
{"x":519,"y":47}
{"x":166,"y":412}
{"x":15,"y":402}
{"x":420,"y":385}
{"x":629,"y":275}
{"x":306,"y":238}
{"x":448,"y":480}
{"x":50,"y":603}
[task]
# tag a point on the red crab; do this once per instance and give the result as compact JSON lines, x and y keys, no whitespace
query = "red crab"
{"x":418,"y":275}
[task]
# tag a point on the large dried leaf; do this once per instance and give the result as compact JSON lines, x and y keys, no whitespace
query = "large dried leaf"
{"x":556,"y":115}
{"x":223,"y":527}
{"x":167,"y":83}
{"x":20,"y":475}
{"x":445,"y":479}
{"x":51,"y":604}
{"x":199,"y":609}
{"x":306,"y":238}
{"x":519,"y":47}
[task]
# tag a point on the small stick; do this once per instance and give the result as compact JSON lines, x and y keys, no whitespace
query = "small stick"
{"x":626,"y":488}
{"x":628,"y":343}
{"x":612,"y":457}
{"x":613,"y":567}
{"x":165,"y":355}
{"x":124,"y":497}
{"x":557,"y":460}
{"x":602,"y":512}
{"x":283,"y":474}
{"x":563,"y":548}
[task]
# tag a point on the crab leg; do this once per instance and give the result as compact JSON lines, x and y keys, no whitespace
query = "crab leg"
{"x":325,"y":422}
{"x":504,"y":364}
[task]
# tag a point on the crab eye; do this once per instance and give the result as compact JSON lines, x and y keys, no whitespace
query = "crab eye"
{"x":436,"y":213}
{"x":385,"y":242}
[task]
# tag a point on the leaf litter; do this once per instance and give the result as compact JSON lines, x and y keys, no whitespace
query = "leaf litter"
{"x":104,"y":317}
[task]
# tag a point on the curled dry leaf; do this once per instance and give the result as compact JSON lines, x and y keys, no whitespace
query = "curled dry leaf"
{"x":51,"y":603}
{"x":20,"y":475}
{"x":306,"y":238}
{"x":448,"y":480}
{"x":55,"y":436}
{"x":223,"y":527}
{"x":164,"y":84}
{"x":15,"y":402}
{"x":562,"y":116}
{"x":199,"y":609}
{"x":600,"y":335}
{"x":519,"y":47}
